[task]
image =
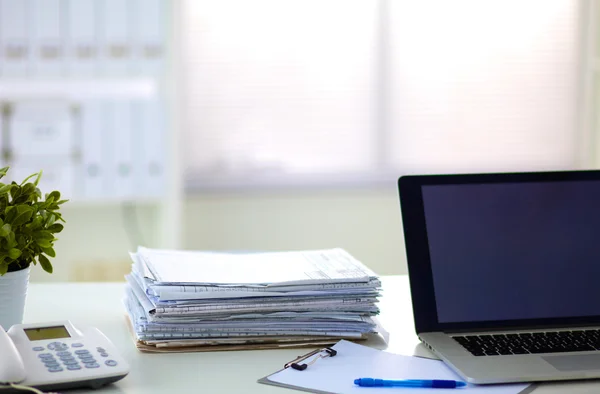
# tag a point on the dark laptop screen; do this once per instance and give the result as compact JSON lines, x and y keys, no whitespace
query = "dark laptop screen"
{"x":511,"y":251}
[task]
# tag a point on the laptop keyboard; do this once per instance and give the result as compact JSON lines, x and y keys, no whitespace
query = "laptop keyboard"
{"x":531,"y":343}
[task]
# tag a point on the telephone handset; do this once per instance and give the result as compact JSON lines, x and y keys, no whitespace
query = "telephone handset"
{"x":55,"y":356}
{"x":12,"y":369}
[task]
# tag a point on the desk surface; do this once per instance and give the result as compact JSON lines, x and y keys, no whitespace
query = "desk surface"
{"x":99,"y":305}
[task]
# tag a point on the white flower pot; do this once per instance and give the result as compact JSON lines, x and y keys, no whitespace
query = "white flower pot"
{"x":13,"y":291}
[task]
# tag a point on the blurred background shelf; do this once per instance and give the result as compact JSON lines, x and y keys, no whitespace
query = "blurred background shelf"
{"x":83,"y":98}
{"x":78,"y":89}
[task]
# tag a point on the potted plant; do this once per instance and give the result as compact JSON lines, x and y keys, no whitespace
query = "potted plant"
{"x":28,"y":224}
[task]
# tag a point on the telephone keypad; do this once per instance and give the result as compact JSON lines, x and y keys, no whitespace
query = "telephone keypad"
{"x":72,"y":360}
{"x":38,"y":348}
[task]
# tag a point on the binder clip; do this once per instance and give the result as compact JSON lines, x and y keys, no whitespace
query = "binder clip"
{"x":319,"y":354}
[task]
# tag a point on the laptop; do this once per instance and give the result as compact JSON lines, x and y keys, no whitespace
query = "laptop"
{"x":504,"y":272}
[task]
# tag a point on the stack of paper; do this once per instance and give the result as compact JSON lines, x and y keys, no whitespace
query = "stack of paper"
{"x":182,"y":300}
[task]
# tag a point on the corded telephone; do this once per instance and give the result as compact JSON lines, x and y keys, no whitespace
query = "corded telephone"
{"x":55,"y":356}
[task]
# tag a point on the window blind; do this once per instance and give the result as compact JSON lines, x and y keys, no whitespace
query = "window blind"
{"x":321,"y":89}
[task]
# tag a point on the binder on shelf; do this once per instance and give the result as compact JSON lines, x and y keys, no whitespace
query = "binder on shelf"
{"x":122,"y":146}
{"x":115,"y":37}
{"x":92,"y":170}
{"x":151,"y":148}
{"x":58,"y":173}
{"x":149,"y":36}
{"x":47,"y":40}
{"x":41,"y":128}
{"x":14,"y":37}
{"x":82,"y":49}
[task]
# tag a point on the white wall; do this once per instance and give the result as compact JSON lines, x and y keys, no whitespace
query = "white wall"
{"x":365,"y":223}
{"x":95,"y":244}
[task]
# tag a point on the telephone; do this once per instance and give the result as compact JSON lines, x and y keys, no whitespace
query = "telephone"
{"x":56,"y":356}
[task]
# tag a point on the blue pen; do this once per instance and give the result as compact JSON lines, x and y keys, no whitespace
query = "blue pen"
{"x":435,"y":384}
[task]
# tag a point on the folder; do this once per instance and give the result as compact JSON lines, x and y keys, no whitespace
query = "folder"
{"x":57,"y":173}
{"x":334,"y":369}
{"x":121,"y":148}
{"x":14,"y":35}
{"x":151,"y":148}
{"x":115,"y":37}
{"x":82,"y":51}
{"x":41,"y":128}
{"x":92,"y":171}
{"x":47,"y":57}
{"x":149,"y":36}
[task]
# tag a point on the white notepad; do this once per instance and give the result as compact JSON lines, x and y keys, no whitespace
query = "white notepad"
{"x":352,"y":361}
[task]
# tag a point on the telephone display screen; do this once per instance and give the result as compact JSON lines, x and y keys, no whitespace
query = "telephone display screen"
{"x":38,"y":334}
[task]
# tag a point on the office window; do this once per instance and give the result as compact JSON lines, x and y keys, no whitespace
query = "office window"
{"x":280,"y":92}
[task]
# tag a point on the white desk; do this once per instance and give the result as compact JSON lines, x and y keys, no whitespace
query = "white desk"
{"x":99,"y":305}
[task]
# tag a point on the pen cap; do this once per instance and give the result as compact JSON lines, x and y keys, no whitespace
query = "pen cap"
{"x":446,"y":384}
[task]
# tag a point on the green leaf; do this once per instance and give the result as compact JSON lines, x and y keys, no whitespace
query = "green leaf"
{"x":22,"y":218}
{"x":49,"y":251}
{"x":43,"y":243}
{"x":51,"y":220}
{"x":3,"y":171}
{"x":15,"y":192}
{"x":43,"y":234}
{"x":6,"y":188}
{"x":11,"y":214}
{"x":55,"y":195}
{"x":36,"y":223}
{"x":3,"y":268}
{"x":29,"y":190}
{"x":14,"y":253}
{"x":38,"y":174}
{"x":11,"y":240}
{"x":5,"y":230}
{"x":56,"y":228}
{"x":45,"y":263}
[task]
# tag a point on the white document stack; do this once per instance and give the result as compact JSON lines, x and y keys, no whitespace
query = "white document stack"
{"x":195,"y":301}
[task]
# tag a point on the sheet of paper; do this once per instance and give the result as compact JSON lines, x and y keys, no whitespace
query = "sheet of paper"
{"x":333,"y":265}
{"x":219,"y":288}
{"x":337,"y":374}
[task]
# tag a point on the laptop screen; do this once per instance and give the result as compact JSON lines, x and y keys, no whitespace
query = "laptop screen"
{"x":512,"y":251}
